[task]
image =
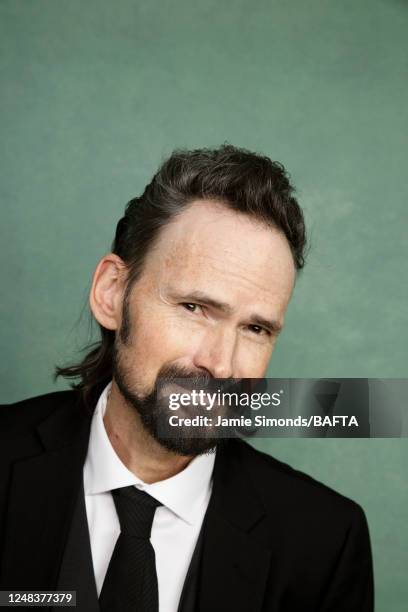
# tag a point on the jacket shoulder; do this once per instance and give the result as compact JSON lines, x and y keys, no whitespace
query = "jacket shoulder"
{"x":27,"y":413}
{"x":279,"y":483}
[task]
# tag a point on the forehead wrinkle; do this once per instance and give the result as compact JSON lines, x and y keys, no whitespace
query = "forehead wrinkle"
{"x":243,"y":279}
{"x":206,"y":285}
{"x":212,"y":265}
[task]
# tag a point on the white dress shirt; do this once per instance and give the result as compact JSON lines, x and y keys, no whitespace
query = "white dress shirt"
{"x":176,"y":524}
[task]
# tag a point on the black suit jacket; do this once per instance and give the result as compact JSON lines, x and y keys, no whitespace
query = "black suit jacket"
{"x":275,"y":539}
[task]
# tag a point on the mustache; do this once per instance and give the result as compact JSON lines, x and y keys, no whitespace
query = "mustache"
{"x":192,"y":379}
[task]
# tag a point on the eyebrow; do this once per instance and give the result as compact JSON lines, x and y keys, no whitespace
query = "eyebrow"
{"x":198,"y":296}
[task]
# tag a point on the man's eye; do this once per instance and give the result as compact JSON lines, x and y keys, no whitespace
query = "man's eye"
{"x":258,"y":330}
{"x":190,"y":307}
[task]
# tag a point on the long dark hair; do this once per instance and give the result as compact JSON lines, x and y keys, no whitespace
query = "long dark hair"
{"x":244,"y":181}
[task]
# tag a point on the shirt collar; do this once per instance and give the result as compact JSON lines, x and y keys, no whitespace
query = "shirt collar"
{"x":183,"y":493}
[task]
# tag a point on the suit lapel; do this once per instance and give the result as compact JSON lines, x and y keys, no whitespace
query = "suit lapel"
{"x":43,"y":491}
{"x":235,"y":564}
{"x":77,"y":572}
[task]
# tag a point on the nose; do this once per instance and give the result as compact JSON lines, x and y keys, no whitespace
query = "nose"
{"x":216,"y":353}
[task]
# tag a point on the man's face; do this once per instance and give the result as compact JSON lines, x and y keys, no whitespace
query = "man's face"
{"x":210,"y":302}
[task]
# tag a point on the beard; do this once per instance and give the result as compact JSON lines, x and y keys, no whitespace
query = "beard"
{"x":153,"y":407}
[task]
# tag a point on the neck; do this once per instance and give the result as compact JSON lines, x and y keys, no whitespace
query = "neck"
{"x":135,"y":447}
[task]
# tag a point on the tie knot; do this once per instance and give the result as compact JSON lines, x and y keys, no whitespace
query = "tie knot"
{"x":135,"y":510}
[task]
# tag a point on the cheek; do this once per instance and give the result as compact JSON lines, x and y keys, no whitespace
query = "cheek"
{"x":171,"y":337}
{"x":166,"y":340}
{"x":252,"y":360}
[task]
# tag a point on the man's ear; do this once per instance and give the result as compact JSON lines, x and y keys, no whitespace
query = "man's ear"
{"x":107,"y":291}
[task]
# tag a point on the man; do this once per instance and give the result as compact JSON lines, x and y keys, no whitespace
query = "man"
{"x":96,"y":498}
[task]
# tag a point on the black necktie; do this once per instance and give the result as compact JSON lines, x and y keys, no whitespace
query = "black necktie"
{"x":130,"y":583}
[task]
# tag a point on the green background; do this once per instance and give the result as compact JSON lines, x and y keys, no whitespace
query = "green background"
{"x":95,"y":94}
